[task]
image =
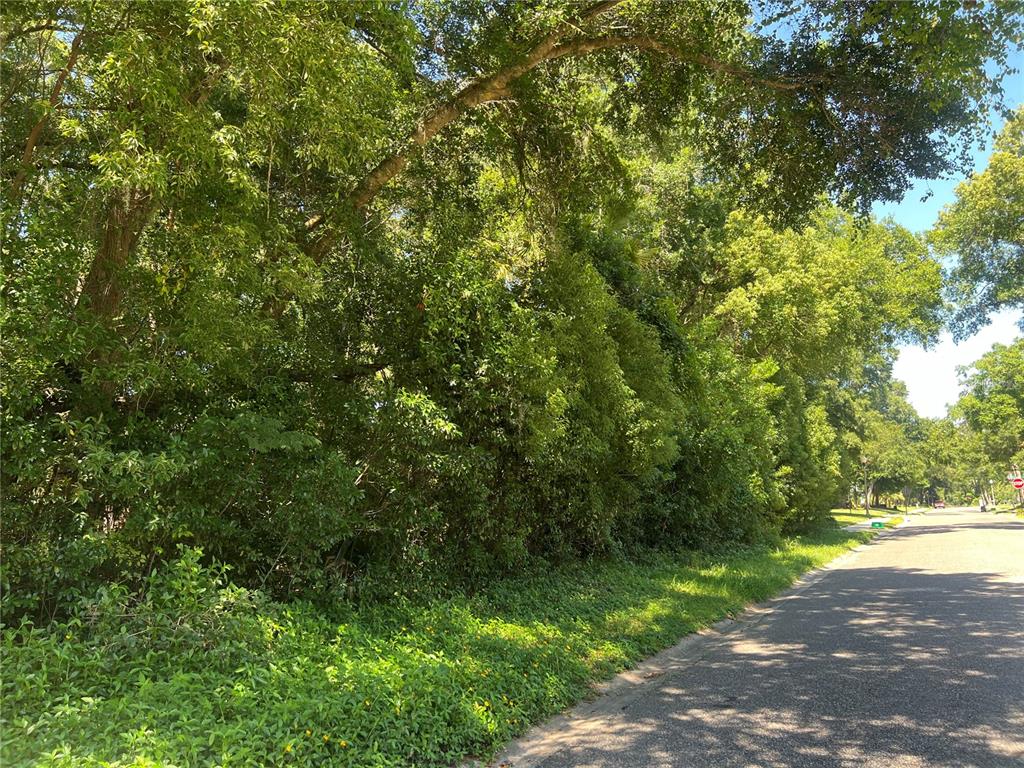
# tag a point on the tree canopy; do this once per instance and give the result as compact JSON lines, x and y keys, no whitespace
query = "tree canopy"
{"x":347,"y":291}
{"x":983,"y":231}
{"x":993,"y":403}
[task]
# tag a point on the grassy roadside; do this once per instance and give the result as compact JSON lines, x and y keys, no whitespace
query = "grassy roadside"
{"x":199,"y":675}
{"x":846,"y":517}
{"x":1003,"y":509}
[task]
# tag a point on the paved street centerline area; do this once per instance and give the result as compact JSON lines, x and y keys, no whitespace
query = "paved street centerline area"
{"x":908,"y":653}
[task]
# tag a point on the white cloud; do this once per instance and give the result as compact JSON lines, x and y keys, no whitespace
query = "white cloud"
{"x":930,"y":375}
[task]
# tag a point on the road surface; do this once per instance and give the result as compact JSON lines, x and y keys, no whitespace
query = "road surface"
{"x":909,"y":652}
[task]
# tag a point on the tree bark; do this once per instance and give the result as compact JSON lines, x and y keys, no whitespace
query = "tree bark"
{"x":125,"y":220}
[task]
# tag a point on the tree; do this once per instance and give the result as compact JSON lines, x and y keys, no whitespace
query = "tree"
{"x":893,"y":464}
{"x":992,"y":403}
{"x":889,"y":442}
{"x":984,"y":231}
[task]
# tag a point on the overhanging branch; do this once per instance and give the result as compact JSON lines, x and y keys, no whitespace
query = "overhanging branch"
{"x":474,"y":94}
{"x":495,"y":87}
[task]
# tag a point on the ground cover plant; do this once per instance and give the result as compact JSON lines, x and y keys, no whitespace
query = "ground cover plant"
{"x":199,"y":672}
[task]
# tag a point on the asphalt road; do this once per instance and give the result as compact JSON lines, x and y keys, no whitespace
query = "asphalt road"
{"x":909,"y":652}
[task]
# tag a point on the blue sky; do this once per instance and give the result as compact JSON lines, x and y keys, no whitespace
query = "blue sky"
{"x":931,"y":375}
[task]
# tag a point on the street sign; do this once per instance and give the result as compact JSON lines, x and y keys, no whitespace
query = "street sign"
{"x":877,"y":524}
{"x":1018,"y":483}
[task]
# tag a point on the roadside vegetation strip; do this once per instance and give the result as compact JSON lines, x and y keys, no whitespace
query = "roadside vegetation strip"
{"x":1005,"y":509}
{"x":844,"y":517}
{"x":199,"y":672}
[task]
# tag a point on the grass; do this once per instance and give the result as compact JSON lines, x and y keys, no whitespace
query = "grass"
{"x":846,"y":517}
{"x":206,"y":674}
{"x":1001,"y":509}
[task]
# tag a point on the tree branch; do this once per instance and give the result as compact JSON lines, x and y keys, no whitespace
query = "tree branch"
{"x":491,"y":88}
{"x":584,"y":46}
{"x":495,"y":86}
{"x":14,"y":34}
{"x":472,"y":95}
{"x":37,"y":129}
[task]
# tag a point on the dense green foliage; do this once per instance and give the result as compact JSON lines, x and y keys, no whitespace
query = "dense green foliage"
{"x":561,"y":316}
{"x":961,"y":458}
{"x":990,"y":416}
{"x":199,"y":673}
{"x":972,"y":452}
{"x":993,"y":401}
{"x":984,"y":231}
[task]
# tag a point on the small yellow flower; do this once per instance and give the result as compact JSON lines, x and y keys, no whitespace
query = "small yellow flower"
{"x":326,"y":738}
{"x":309,"y":732}
{"x":288,"y":748}
{"x":344,"y":744}
{"x":367,"y":702}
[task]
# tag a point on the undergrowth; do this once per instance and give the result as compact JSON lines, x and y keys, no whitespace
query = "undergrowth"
{"x":195,"y":671}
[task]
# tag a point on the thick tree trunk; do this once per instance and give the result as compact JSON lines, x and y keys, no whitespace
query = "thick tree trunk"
{"x":125,"y":220}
